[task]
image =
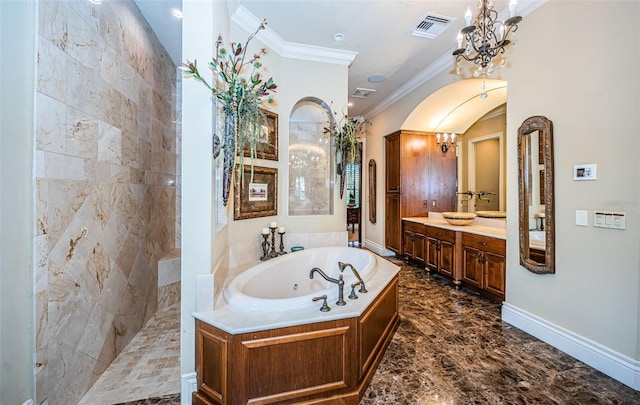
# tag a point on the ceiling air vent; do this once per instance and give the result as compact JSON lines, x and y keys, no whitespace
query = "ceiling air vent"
{"x":362,"y":93}
{"x":431,"y":26}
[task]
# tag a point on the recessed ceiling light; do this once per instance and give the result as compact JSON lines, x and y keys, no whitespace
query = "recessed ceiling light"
{"x":176,"y":13}
{"x":338,"y":37}
{"x":376,"y":79}
{"x":96,"y":1}
{"x":350,"y":104}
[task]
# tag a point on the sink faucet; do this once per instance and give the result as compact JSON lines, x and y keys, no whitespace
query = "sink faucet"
{"x":343,"y":266}
{"x":339,"y":281}
{"x":483,"y":193}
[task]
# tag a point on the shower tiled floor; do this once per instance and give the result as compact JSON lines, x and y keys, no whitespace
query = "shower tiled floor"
{"x":451,"y":348}
{"x":149,"y":367}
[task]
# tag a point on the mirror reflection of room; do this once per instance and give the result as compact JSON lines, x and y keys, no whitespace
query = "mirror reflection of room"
{"x":480,"y":166}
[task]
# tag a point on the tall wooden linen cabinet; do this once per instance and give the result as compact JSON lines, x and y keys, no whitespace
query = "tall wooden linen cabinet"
{"x":418,"y":179}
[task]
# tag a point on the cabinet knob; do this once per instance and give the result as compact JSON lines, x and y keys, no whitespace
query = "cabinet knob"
{"x":484,"y":243}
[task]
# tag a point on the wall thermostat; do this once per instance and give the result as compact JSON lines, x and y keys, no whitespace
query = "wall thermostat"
{"x":585,"y":172}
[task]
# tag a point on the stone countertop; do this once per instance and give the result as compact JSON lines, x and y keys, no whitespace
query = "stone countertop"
{"x":494,"y":228}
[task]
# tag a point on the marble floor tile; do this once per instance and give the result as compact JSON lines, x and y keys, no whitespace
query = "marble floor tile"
{"x":451,"y":348}
{"x":149,"y":367}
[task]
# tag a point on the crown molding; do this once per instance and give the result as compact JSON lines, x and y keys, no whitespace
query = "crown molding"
{"x":248,"y":21}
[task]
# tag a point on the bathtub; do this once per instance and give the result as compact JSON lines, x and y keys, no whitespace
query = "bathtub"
{"x":283,"y":283}
{"x":537,"y":240}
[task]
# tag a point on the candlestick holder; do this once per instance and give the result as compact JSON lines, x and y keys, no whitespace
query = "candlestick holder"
{"x":265,"y":247}
{"x":273,"y":252}
{"x":282,"y":252}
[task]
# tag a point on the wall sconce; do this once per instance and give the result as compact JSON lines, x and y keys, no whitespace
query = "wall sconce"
{"x":448,"y":140}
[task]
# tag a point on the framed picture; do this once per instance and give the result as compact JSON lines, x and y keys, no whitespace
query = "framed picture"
{"x":268,"y":146}
{"x":257,"y":197}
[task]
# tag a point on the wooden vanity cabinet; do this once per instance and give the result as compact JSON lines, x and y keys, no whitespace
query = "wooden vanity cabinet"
{"x":484,"y":264}
{"x":440,"y":250}
{"x":413,"y":243}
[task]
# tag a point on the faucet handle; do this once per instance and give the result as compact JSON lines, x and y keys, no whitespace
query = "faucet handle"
{"x":353,"y":295}
{"x":324,"y":307}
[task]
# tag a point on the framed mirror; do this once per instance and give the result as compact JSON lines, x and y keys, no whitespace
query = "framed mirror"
{"x":535,"y":188}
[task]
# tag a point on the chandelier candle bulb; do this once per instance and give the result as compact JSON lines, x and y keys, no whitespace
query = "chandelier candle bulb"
{"x":513,"y":4}
{"x":467,"y":16}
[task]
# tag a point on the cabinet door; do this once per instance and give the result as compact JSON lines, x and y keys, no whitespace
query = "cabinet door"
{"x":408,"y":244}
{"x":495,"y":273}
{"x":445,"y":262}
{"x":418,"y":247}
{"x":472,"y":266}
{"x":431,"y":251}
{"x":392,"y":162}
{"x":393,"y":223}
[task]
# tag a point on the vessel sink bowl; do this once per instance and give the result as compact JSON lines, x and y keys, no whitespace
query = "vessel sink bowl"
{"x":459,"y":218}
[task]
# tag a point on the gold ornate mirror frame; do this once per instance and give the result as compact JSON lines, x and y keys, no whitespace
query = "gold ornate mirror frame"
{"x":535,"y":153}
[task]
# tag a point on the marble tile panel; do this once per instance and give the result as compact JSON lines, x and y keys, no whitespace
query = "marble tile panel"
{"x":75,"y":372}
{"x":109,"y":143}
{"x":85,"y":89}
{"x":84,"y":43}
{"x":51,"y":127}
{"x":53,"y":22}
{"x":58,"y":166}
{"x":111,"y":100}
{"x":168,"y":295}
{"x":161,"y":107}
{"x":64,"y":200}
{"x":51,"y":70}
{"x":81,"y":134}
{"x":129,"y":83}
{"x":110,"y":25}
{"x":130,"y":149}
{"x":110,"y":66}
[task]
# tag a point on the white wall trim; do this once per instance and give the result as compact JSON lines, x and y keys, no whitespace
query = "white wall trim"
{"x":377,"y":248}
{"x":615,"y":365}
{"x":189,"y":384}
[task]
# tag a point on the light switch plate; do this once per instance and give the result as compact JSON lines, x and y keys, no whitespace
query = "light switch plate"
{"x":585,"y":172}
{"x":611,"y":220}
{"x":581,"y":218}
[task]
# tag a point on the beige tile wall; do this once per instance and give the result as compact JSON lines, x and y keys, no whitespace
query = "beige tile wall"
{"x":105,"y":187}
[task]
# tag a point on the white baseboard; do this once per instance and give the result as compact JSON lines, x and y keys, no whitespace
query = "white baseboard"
{"x":189,"y":384}
{"x":377,"y":248}
{"x":615,"y":365}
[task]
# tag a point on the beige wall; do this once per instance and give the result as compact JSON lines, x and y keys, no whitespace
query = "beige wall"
{"x":590,"y":90}
{"x":594,"y":292}
{"x":105,"y":187}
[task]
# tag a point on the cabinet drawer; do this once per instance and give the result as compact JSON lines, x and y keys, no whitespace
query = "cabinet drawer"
{"x":414,"y":227}
{"x":485,"y":243}
{"x":441,"y":234}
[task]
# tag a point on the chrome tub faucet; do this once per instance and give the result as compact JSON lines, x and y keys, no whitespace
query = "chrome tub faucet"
{"x":338,"y":281}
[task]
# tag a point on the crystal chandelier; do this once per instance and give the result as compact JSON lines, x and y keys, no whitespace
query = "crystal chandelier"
{"x":485,"y":39}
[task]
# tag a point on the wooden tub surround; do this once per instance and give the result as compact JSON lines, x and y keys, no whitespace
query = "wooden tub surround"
{"x":323,"y":362}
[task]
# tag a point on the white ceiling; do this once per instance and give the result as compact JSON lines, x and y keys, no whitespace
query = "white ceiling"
{"x":377,"y":30}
